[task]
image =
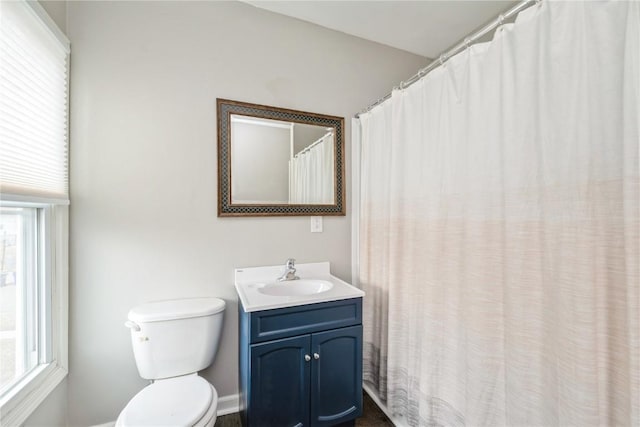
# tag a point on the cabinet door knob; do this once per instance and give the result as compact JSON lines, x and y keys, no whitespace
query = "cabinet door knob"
{"x":307,"y":357}
{"x":316,"y":356}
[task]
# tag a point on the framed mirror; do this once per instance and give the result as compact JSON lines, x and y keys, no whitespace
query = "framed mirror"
{"x":274,"y":161}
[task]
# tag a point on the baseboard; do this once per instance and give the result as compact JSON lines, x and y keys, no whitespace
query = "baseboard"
{"x":228,"y":404}
{"x":231,"y":404}
{"x":376,"y":399}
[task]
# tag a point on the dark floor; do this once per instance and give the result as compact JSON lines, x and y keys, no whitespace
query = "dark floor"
{"x":372,"y":416}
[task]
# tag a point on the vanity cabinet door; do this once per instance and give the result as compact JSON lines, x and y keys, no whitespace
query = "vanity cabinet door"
{"x":280,"y":382}
{"x":336,"y":376}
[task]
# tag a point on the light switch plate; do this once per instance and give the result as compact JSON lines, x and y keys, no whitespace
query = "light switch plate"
{"x":316,"y":224}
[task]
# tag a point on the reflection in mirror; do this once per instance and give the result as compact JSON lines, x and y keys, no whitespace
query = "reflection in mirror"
{"x":274,"y":161}
{"x":278,"y":162}
{"x":312,"y":166}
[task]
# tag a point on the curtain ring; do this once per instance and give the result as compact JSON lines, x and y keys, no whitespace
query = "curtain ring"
{"x":500,"y":22}
{"x":467,"y":42}
{"x":442,"y":59}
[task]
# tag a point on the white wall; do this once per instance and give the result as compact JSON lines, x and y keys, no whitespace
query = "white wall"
{"x":144,"y":81}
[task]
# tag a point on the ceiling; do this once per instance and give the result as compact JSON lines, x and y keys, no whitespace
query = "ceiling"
{"x":424,"y":27}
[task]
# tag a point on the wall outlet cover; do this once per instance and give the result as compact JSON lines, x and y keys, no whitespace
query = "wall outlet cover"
{"x":316,"y":224}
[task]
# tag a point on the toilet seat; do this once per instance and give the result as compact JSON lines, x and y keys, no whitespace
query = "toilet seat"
{"x":187,"y":401}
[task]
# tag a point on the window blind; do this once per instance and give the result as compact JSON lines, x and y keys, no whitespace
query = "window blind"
{"x":33,"y":104}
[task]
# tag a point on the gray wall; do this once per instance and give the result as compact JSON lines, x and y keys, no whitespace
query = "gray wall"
{"x":144,"y":79}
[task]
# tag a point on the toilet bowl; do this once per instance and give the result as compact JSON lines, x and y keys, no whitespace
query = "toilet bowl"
{"x":182,"y":401}
{"x":172,"y":341}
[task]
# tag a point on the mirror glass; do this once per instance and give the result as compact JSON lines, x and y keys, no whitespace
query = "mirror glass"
{"x":279,"y":162}
{"x":275,"y":161}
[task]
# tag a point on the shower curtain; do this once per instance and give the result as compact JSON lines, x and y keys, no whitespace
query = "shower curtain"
{"x":499,"y":228}
{"x":311,"y":173}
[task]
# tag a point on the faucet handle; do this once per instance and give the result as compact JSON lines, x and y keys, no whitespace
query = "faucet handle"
{"x":289,"y":271}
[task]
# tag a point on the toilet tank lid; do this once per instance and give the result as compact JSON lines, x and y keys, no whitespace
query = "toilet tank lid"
{"x":176,"y":309}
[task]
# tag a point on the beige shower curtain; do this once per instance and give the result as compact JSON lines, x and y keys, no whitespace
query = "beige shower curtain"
{"x":499,"y":228}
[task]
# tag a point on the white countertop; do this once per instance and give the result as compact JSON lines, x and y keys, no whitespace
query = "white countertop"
{"x":250,"y":280}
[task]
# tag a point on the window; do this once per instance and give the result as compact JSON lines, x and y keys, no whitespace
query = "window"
{"x":34,"y":202}
{"x":21,"y":295}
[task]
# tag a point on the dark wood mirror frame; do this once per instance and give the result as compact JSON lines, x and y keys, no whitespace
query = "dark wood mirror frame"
{"x":225,"y":108}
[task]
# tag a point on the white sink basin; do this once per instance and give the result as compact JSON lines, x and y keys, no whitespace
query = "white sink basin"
{"x":259,"y":289}
{"x":296,"y":287}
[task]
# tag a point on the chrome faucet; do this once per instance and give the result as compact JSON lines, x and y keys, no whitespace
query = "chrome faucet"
{"x":289,"y":271}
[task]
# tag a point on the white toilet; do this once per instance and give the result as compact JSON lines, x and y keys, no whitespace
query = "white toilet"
{"x":172,"y":341}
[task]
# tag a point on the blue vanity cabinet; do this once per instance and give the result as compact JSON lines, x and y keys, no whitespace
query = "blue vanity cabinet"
{"x":301,"y":366}
{"x":280,"y":373}
{"x":336,"y":376}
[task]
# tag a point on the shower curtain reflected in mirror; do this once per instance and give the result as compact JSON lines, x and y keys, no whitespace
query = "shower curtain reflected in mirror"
{"x":499,"y":228}
{"x":311,"y":173}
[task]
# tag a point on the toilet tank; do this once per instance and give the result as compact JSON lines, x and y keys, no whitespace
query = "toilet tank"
{"x":175,"y":337}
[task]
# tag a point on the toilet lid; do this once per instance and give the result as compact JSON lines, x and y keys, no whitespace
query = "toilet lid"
{"x":178,"y":401}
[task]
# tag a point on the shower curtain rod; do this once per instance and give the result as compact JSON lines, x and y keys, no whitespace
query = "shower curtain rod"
{"x":444,"y":56}
{"x":313,"y":144}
